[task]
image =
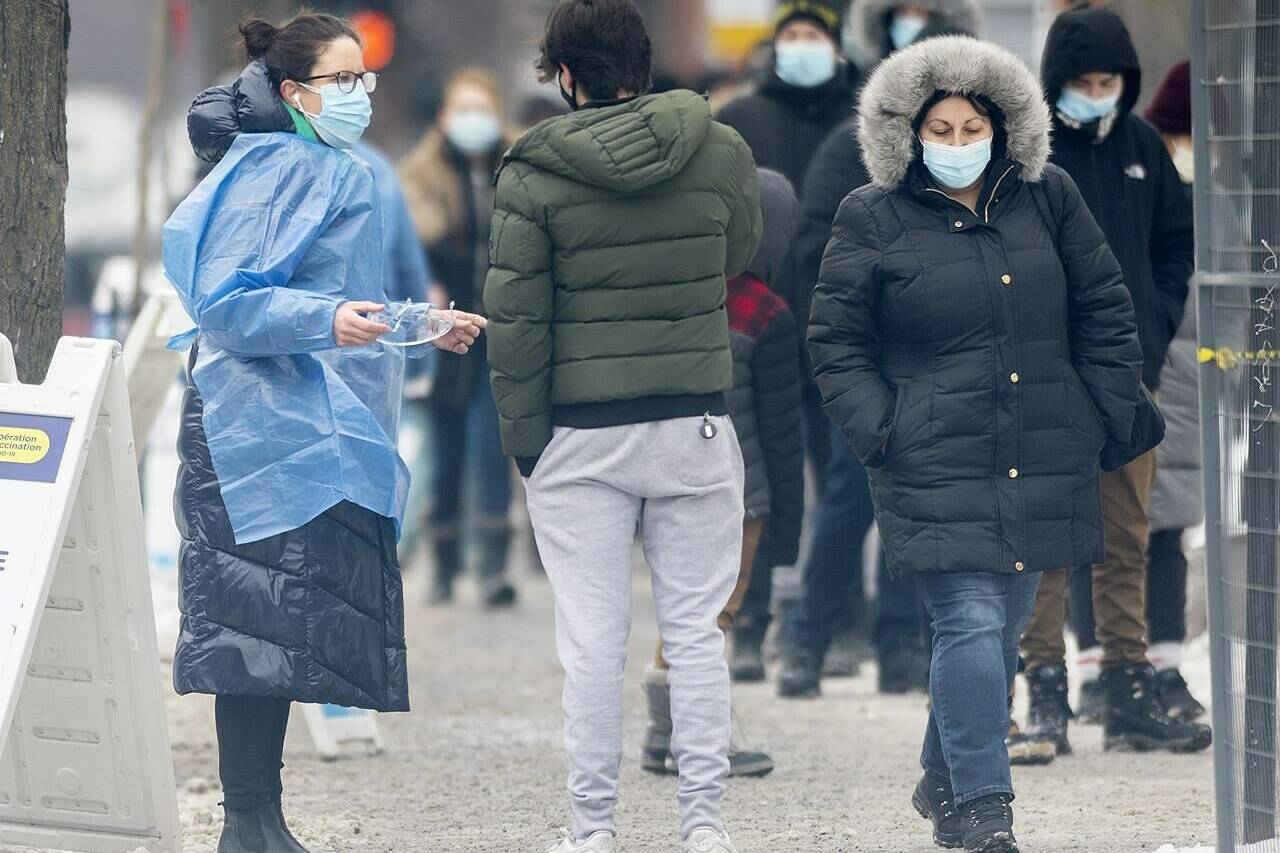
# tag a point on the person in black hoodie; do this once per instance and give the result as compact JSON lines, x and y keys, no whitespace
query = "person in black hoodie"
{"x":807,"y":90}
{"x":1092,"y":78}
{"x":819,"y":635}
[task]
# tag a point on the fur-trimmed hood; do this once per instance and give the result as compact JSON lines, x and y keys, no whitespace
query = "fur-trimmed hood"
{"x":903,"y":83}
{"x":869,"y":23}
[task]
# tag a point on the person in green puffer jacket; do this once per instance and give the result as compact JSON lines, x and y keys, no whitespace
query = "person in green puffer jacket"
{"x":613,"y":232}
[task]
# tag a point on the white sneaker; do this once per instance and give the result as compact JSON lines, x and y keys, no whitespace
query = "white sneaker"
{"x":706,"y":840}
{"x":599,"y":842}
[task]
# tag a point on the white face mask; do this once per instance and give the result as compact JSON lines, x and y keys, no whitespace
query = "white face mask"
{"x":805,"y":64}
{"x":1185,"y":162}
{"x":473,"y":131}
{"x":957,"y":168}
{"x":905,"y":28}
{"x":343,"y":116}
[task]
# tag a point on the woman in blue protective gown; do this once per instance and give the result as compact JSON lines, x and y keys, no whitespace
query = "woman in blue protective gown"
{"x":290,"y":493}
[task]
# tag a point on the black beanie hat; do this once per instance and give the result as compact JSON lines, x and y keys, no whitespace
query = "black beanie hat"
{"x":824,"y":13}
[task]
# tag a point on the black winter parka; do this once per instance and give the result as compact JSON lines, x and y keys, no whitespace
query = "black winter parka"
{"x":975,"y":361}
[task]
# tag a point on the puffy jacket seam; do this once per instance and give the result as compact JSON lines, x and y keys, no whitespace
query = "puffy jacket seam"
{"x":600,"y":358}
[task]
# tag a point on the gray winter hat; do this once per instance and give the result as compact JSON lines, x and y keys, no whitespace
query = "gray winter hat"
{"x":903,"y":83}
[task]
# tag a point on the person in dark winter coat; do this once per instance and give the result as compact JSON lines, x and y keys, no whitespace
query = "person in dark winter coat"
{"x":973,"y":340}
{"x":879,"y":27}
{"x":448,"y":180}
{"x":764,"y":405}
{"x":806,"y":90}
{"x":1092,"y":79}
{"x":1177,"y":497}
{"x":820,"y":629}
{"x":290,"y":586}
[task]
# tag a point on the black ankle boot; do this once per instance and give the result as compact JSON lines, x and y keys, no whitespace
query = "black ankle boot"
{"x":935,"y":801}
{"x":448,"y":566}
{"x":495,"y":546}
{"x":257,"y":829}
{"x":1135,"y":721}
{"x":295,"y":846}
{"x":988,"y":825}
{"x":1049,"y":713}
{"x":801,"y":676}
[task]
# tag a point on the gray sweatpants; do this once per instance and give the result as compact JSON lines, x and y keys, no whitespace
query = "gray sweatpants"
{"x":589,"y":494}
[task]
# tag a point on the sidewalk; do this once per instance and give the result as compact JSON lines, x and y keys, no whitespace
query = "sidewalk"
{"x":477,"y":767}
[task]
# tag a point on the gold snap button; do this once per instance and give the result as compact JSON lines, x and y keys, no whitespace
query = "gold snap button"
{"x":1013,"y":473}
{"x":1014,"y":378}
{"x":1006,"y":279}
{"x":1019,"y":567}
{"x":959,"y":224}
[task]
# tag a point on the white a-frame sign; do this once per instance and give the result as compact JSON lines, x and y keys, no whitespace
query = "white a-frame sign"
{"x":84,"y":746}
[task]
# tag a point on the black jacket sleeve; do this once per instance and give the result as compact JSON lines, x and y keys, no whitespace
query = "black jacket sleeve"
{"x":1104,"y":334}
{"x":1172,"y":247}
{"x":836,"y":171}
{"x":842,"y":333}
{"x":776,"y":368}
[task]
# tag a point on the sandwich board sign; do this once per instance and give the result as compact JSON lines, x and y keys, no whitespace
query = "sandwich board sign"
{"x":339,"y":732}
{"x":84,"y":746}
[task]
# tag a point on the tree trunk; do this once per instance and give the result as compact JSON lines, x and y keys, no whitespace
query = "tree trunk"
{"x":33,"y":177}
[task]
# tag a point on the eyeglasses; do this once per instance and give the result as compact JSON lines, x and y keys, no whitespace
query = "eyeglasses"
{"x":347,"y":80}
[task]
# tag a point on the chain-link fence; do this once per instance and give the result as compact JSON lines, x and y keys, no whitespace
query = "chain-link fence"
{"x":1236,"y":69}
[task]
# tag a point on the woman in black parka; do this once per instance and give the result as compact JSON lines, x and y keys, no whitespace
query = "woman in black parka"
{"x":972,"y":337}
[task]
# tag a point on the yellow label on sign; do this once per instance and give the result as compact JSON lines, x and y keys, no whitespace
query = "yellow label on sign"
{"x":22,"y":446}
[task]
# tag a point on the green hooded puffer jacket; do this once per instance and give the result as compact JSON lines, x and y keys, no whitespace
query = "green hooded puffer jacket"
{"x":613,"y":231}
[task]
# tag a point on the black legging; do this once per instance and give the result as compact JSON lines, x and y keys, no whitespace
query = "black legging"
{"x":250,"y":749}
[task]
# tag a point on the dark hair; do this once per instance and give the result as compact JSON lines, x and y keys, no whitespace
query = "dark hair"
{"x":604,"y":43}
{"x":986,"y":108}
{"x":291,"y":51}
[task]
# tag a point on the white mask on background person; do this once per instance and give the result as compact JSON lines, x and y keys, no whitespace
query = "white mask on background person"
{"x":1079,"y":106}
{"x":1185,"y":162}
{"x":805,"y":64}
{"x":905,"y":27}
{"x":473,"y":131}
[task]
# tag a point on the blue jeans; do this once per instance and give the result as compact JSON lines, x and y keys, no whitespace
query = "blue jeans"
{"x":833,"y":571}
{"x":978,"y":620}
{"x":468,"y":457}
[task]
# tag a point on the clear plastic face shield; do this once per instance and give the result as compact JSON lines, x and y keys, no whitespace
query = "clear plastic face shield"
{"x":413,"y":324}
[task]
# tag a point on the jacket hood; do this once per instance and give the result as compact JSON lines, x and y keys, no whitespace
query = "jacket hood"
{"x":1090,"y":40}
{"x":778,"y":209}
{"x":870,"y":21}
{"x":221,"y":113}
{"x":903,"y":83}
{"x":623,"y":147}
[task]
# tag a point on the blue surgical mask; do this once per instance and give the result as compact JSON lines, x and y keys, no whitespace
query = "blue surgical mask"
{"x":905,"y":28}
{"x":473,"y":131}
{"x":1080,"y":107}
{"x":805,"y":64}
{"x":343,"y":116}
{"x":957,"y":168}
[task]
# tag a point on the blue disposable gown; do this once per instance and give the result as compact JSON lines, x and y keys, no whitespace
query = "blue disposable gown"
{"x":262,"y":253}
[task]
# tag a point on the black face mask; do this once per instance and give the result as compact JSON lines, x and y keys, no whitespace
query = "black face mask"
{"x":571,"y":97}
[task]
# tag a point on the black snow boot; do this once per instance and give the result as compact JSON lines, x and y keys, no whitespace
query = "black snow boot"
{"x":1049,"y":711}
{"x":495,"y":546}
{"x":746,"y":661}
{"x":898,"y":664}
{"x":935,"y":802}
{"x":1136,"y":722}
{"x":259,"y":829}
{"x":1092,"y":704}
{"x":841,"y":659}
{"x":448,"y":566}
{"x":801,"y":676}
{"x":1027,"y":751}
{"x":295,"y":846}
{"x":1175,"y":696}
{"x":656,"y":756}
{"x":988,"y":825}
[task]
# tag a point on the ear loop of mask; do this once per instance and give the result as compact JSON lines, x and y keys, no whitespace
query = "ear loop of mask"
{"x":570,"y":97}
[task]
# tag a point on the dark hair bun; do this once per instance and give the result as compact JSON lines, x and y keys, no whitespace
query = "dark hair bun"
{"x":258,"y":37}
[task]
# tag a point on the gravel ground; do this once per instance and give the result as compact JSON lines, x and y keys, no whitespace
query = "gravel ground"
{"x":477,"y":766}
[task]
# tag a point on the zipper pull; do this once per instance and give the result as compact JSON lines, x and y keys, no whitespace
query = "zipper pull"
{"x":708,"y":427}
